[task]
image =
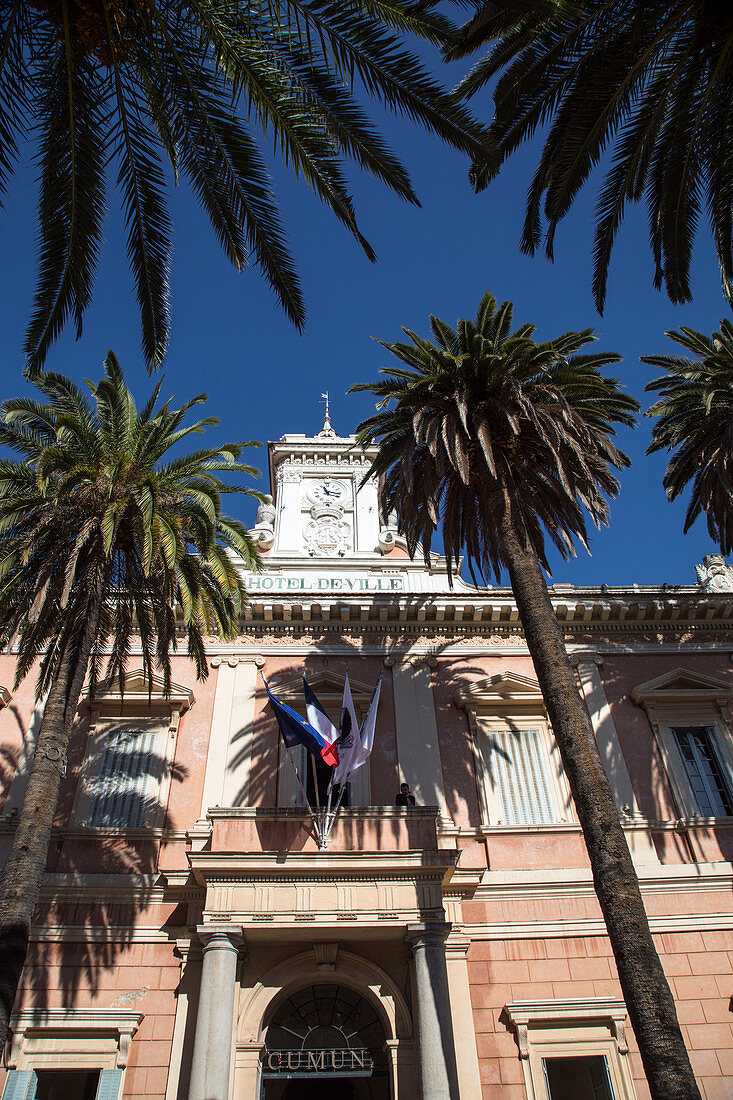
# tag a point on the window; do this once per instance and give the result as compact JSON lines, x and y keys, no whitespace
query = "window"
{"x":129,"y":772}
{"x":329,"y":687}
{"x":572,"y":1050}
{"x":578,"y":1078}
{"x":128,"y":763}
{"x":518,"y":770}
{"x":518,"y":761}
{"x":705,"y":774}
{"x":69,"y":1054}
{"x":687,"y":712}
{"x":62,"y":1084}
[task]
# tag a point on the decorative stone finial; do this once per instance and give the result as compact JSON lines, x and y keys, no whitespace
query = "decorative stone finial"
{"x":714,"y":575}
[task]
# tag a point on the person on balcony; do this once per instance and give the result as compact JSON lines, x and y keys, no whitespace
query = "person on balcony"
{"x":404,"y":798}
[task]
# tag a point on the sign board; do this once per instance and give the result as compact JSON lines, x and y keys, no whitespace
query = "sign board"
{"x":335,"y":1062}
{"x":327,"y":586}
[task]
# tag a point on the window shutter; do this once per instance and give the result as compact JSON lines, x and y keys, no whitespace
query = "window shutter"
{"x":20,"y":1084}
{"x":122,"y":790}
{"x":110,"y":1081}
{"x":521,"y":778}
{"x":700,"y":756}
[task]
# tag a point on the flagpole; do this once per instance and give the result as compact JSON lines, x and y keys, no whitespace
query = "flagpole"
{"x":336,"y":808}
{"x":302,"y":791}
{"x":321,"y":823}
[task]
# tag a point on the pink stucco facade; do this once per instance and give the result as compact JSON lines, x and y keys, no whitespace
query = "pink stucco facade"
{"x":188,"y":915}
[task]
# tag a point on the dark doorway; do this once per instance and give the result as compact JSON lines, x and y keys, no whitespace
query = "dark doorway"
{"x":325,"y":1042}
{"x":319,"y":1090}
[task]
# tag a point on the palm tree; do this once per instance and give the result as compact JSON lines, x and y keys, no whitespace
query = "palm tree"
{"x":500,"y":441}
{"x":142,"y":90}
{"x":645,"y":87}
{"x":105,"y":537}
{"x":695,"y":412}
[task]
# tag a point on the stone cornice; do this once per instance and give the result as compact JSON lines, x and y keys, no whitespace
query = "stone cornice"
{"x":318,"y":867}
{"x":578,"y":882}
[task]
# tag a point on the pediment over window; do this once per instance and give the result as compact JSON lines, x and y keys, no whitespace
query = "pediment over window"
{"x":143,"y":692}
{"x":681,"y":686}
{"x":506,"y":693}
{"x":328,"y":686}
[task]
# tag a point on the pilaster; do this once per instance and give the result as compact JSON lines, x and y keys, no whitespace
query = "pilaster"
{"x":230,"y":748}
{"x":418,"y":748}
{"x":639,"y":839}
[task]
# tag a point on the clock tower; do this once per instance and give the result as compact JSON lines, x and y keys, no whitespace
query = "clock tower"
{"x":322,"y":508}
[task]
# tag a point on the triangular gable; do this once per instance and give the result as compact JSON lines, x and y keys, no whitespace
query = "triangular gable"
{"x":505,"y":692}
{"x":327,"y":686}
{"x":683,"y":685}
{"x":140,"y":689}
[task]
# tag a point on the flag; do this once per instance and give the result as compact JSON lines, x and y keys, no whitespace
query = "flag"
{"x":317,"y":716}
{"x":296,"y":731}
{"x":349,"y":743}
{"x":366,"y":733}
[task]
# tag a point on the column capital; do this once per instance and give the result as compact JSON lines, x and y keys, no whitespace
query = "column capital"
{"x":227,"y":936}
{"x":577,"y":659}
{"x":427,"y":933}
{"x":234,"y":659}
{"x":410,"y":659}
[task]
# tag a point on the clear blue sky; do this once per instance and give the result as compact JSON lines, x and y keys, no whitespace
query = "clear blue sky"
{"x":264,"y":379}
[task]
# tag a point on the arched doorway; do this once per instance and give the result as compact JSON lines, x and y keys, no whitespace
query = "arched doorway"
{"x":325,"y":1042}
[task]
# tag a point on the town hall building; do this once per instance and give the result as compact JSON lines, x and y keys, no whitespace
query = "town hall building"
{"x":194,"y":940}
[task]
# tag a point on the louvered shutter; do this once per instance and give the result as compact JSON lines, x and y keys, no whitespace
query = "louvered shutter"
{"x":20,"y":1084}
{"x":129,"y":769}
{"x":110,"y":1082}
{"x":701,"y":759}
{"x":519,"y":770}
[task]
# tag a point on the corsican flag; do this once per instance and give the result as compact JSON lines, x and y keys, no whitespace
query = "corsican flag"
{"x":317,"y":715}
{"x":348,"y":742}
{"x":366,"y":733}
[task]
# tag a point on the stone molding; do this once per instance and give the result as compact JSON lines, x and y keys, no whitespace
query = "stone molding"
{"x":143,"y":693}
{"x":234,"y":659}
{"x":414,"y":659}
{"x":215,"y":936}
{"x":578,"y":882}
{"x":424,"y":933}
{"x":296,"y":971}
{"x":325,"y":955}
{"x":95,"y":1022}
{"x":570,"y":929}
{"x":506,"y":693}
{"x":523,"y":1014}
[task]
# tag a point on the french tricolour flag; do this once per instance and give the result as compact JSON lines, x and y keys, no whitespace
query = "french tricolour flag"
{"x":317,"y":715}
{"x":296,"y":731}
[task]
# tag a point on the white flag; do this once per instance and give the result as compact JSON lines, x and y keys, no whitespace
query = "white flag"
{"x":366,"y":733}
{"x":349,"y":743}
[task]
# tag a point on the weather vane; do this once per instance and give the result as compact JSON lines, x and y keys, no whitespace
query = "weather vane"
{"x":325,"y":398}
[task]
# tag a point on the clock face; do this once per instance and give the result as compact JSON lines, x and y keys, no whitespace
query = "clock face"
{"x":327,"y":492}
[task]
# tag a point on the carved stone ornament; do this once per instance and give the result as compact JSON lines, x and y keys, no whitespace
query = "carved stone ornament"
{"x":714,"y":575}
{"x":327,"y":534}
{"x":264,"y":530}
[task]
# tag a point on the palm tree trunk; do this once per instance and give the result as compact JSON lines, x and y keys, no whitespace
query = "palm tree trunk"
{"x":645,"y":988}
{"x":20,"y":884}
